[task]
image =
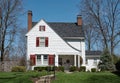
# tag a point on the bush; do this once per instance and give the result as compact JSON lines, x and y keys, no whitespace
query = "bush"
{"x":47,"y":68}
{"x":50,"y":68}
{"x":61,"y":68}
{"x":72,"y":68}
{"x":106,"y":63}
{"x":39,"y":68}
{"x":93,"y":70}
{"x":18,"y":69}
{"x":117,"y":65}
{"x":82,"y":68}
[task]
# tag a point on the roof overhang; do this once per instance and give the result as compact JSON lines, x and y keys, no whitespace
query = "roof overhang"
{"x":73,"y":38}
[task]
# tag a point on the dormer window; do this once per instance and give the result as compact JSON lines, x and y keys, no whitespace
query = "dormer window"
{"x":42,"y":28}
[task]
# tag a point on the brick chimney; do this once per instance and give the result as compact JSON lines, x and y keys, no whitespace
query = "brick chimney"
{"x":29,"y":20}
{"x":79,"y":20}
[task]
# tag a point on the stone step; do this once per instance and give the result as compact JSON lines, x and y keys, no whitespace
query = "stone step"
{"x":45,"y":79}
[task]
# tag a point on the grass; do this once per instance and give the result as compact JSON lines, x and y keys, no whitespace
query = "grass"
{"x":61,"y":77}
{"x":19,"y":77}
{"x":86,"y":77}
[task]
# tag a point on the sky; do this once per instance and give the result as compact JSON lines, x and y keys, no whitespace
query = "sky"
{"x":51,"y":10}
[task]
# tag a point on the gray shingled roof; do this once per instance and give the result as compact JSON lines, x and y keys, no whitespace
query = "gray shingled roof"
{"x":92,"y":53}
{"x":66,"y":29}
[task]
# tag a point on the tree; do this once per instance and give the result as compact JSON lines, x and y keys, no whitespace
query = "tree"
{"x":106,"y":63}
{"x":105,"y":17}
{"x":22,"y":46}
{"x":10,"y":10}
{"x":91,"y":37}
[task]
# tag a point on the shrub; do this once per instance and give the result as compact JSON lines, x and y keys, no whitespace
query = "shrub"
{"x":93,"y":70}
{"x":47,"y":68}
{"x":18,"y":69}
{"x":117,"y":65}
{"x":56,"y":68}
{"x":50,"y":68}
{"x":72,"y":68}
{"x":61,"y":68}
{"x":106,"y":63}
{"x":82,"y":68}
{"x":40,"y":68}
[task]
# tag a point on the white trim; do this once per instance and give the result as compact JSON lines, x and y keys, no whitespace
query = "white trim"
{"x":41,"y":59}
{"x":56,"y":60}
{"x":68,"y":53}
{"x":73,"y":37}
{"x":78,"y":61}
{"x":74,"y":60}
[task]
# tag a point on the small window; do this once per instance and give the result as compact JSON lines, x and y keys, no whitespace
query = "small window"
{"x":41,"y":28}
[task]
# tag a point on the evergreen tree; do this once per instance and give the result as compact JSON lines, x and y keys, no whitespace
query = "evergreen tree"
{"x":106,"y":63}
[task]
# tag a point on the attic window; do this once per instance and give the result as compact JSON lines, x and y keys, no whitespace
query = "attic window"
{"x":42,"y":28}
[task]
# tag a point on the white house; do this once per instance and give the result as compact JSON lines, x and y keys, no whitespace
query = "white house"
{"x":55,"y":43}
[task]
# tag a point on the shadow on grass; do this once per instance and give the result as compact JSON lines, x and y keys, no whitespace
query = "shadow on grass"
{"x":116,"y":73}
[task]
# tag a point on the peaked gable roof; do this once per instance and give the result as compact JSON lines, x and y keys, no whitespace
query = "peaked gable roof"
{"x":65,"y":29}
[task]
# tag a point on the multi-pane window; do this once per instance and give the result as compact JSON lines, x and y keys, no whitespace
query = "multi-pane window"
{"x":42,"y":28}
{"x":45,"y":57}
{"x":38,"y":59}
{"x":41,"y":41}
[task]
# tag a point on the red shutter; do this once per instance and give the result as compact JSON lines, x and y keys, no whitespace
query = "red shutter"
{"x":33,"y":59}
{"x":37,"y":41}
{"x":51,"y":59}
{"x":46,"y":42}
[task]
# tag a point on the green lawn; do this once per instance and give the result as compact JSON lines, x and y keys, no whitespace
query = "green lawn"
{"x":86,"y":77}
{"x":19,"y":77}
{"x":76,"y":77}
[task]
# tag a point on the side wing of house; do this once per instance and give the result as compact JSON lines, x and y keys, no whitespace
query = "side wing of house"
{"x":92,"y":59}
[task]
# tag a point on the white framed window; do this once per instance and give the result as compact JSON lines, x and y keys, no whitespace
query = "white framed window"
{"x":39,"y":59}
{"x":42,"y":28}
{"x":41,"y":41}
{"x":45,"y":59}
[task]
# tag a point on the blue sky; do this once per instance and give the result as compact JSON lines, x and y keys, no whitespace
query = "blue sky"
{"x":52,"y":10}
